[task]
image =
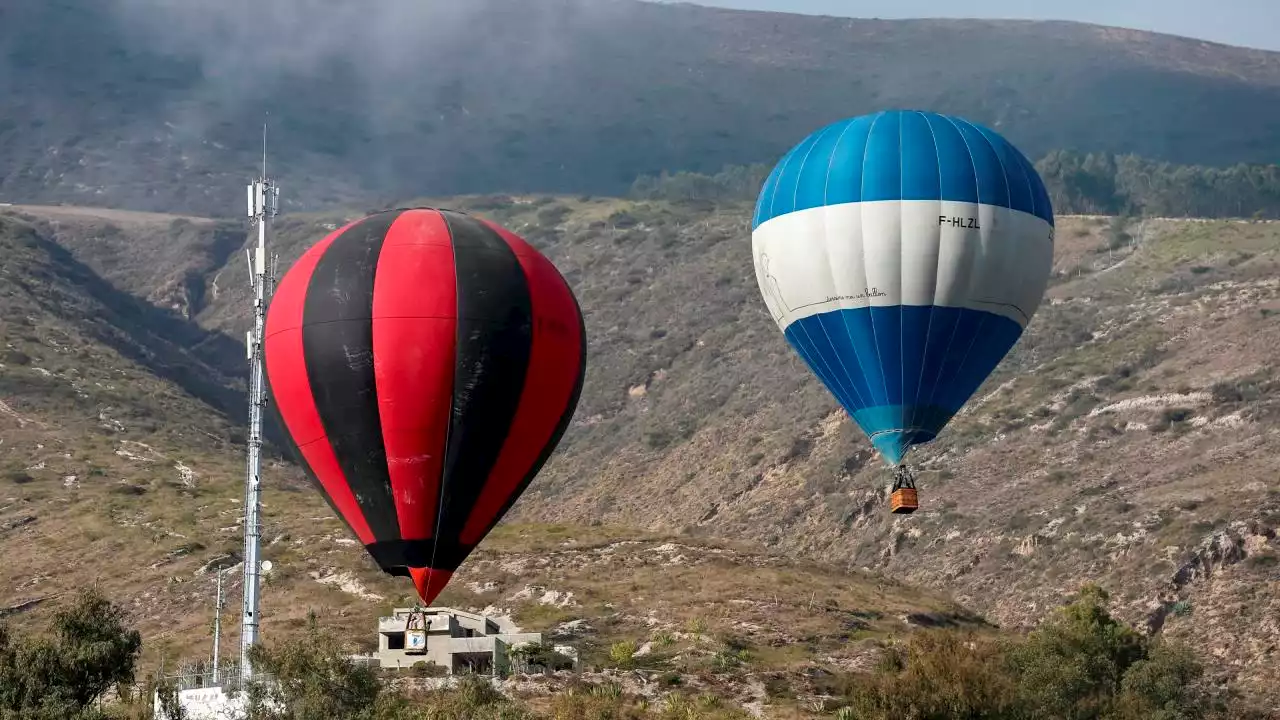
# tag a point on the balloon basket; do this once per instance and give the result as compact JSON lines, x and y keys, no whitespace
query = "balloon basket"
{"x":904,"y":500}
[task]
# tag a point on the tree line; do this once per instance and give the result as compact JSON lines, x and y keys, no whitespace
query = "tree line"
{"x":1078,"y":183}
{"x":1080,"y":663}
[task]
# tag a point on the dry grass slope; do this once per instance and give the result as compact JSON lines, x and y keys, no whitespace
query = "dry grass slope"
{"x":1132,"y":437}
{"x":115,"y":476}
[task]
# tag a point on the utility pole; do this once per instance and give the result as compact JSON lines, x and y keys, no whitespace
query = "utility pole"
{"x":263,"y":205}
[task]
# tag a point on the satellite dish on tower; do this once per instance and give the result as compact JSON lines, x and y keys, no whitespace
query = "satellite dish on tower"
{"x":266,"y":566}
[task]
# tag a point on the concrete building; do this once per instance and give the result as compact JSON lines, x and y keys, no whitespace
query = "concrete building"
{"x":456,"y":640}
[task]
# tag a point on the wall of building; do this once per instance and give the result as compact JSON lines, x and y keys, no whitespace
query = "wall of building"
{"x":516,"y":639}
{"x":451,"y":633}
{"x":207,"y":704}
{"x":438,"y":652}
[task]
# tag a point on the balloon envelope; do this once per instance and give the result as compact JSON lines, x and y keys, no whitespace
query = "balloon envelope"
{"x":423,"y":364}
{"x":902,"y":254}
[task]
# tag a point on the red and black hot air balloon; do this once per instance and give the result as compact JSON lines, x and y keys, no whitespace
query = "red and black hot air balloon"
{"x":423,"y":363}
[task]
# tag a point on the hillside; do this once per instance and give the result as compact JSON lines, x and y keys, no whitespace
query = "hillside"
{"x":107,"y":403}
{"x":118,"y":470}
{"x":138,"y":104}
{"x":115,"y":476}
{"x":1133,"y":437}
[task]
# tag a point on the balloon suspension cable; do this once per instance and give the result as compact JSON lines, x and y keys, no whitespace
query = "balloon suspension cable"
{"x":903,"y":500}
{"x":904,"y":478}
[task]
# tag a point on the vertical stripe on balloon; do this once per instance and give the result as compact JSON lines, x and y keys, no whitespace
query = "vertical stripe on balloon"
{"x":337,"y":338}
{"x":415,"y":310}
{"x":290,"y":397}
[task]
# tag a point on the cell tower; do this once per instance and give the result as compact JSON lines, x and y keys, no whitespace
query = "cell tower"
{"x":263,"y":205}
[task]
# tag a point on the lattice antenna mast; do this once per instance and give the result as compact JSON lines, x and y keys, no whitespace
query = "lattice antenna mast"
{"x":263,"y":205}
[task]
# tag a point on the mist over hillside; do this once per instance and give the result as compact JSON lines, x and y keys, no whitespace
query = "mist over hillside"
{"x":158,"y":104}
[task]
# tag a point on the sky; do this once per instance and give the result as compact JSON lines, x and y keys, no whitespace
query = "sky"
{"x":1250,"y":23}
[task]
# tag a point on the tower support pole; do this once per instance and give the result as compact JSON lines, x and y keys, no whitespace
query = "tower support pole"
{"x":263,"y":205}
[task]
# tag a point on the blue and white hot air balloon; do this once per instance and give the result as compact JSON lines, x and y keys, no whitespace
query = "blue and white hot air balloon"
{"x":903,"y":253}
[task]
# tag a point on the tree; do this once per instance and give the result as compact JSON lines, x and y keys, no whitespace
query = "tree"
{"x":538,"y":655}
{"x":1162,"y":686}
{"x":937,"y":675}
{"x":88,"y":651}
{"x":734,"y":182}
{"x":1093,"y":183}
{"x":312,"y":677}
{"x":1072,"y":665}
{"x":1079,"y":664}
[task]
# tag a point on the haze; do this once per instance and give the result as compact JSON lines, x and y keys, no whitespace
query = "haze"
{"x":1250,"y":23}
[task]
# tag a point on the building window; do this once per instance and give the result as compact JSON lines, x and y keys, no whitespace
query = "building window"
{"x":395,"y":641}
{"x":472,"y":663}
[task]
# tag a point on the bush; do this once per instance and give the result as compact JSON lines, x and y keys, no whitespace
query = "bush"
{"x":65,"y":672}
{"x":424,"y":669}
{"x":623,"y":653}
{"x":606,"y":702}
{"x":622,"y":220}
{"x":936,"y":674}
{"x":734,"y":182}
{"x":314,"y":677}
{"x":1117,"y":237}
{"x":1263,"y":560}
{"x":473,"y":698}
{"x":1079,"y":664}
{"x":1072,"y":665}
{"x":539,"y":655}
{"x":491,"y":202}
{"x":552,"y":215}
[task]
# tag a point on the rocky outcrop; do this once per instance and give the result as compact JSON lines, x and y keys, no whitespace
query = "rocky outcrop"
{"x":1216,"y":552}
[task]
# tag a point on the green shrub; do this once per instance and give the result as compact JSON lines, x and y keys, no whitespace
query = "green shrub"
{"x":1079,"y":664}
{"x":66,"y":672}
{"x":424,"y":669}
{"x":622,"y":653}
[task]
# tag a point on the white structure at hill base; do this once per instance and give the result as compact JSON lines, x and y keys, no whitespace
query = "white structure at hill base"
{"x":210,"y":703}
{"x":456,"y":640}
